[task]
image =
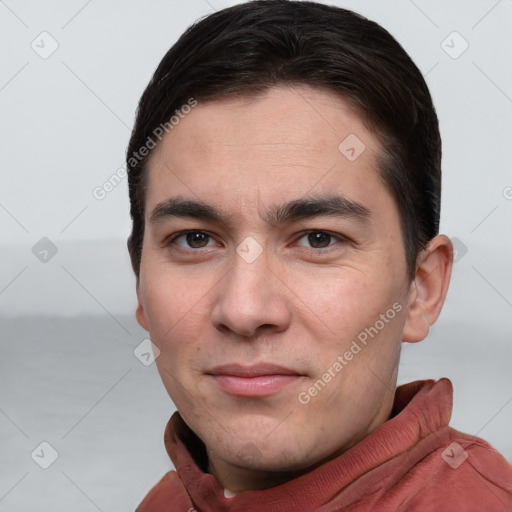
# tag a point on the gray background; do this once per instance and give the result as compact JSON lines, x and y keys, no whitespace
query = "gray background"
{"x":68,"y":374}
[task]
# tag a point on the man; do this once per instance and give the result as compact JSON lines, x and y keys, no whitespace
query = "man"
{"x":284,"y":174}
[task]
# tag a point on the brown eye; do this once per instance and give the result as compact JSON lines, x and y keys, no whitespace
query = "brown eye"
{"x":319,"y":239}
{"x":196,"y":239}
{"x":193,"y":240}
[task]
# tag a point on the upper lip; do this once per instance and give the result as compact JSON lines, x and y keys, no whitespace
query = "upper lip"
{"x":257,"y":370}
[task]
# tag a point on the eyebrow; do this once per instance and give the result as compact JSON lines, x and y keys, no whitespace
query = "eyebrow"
{"x":298,"y":209}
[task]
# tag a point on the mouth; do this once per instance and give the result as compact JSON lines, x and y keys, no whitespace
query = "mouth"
{"x":252,"y":381}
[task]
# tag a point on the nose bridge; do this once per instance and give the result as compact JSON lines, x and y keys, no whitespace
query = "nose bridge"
{"x":251,"y":294}
{"x":250,"y":275}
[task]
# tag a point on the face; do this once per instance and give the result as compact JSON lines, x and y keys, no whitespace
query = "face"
{"x":273,"y":278}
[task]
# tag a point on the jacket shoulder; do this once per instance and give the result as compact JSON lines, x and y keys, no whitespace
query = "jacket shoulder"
{"x":466,"y":475}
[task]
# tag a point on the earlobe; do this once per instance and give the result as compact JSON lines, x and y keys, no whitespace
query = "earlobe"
{"x":428,"y":289}
{"x":417,"y":325}
{"x":140,"y":313}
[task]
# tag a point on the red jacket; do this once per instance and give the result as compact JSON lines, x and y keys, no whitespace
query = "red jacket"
{"x":414,"y":462}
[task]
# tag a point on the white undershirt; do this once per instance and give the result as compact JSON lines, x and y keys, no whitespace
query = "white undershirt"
{"x":229,"y":494}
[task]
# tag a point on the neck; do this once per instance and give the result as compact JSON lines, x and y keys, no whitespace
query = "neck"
{"x":236,"y":480}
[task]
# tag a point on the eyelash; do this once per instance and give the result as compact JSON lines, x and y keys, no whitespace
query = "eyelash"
{"x":169,"y":241}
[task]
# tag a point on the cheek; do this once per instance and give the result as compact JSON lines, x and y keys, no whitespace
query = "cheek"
{"x":171,"y":299}
{"x":345,"y":299}
{"x":176,"y":314}
{"x":178,"y":333}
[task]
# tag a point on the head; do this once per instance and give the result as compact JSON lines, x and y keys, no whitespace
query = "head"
{"x":285,"y":178}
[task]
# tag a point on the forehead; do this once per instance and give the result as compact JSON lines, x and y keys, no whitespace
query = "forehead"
{"x":289,"y":141}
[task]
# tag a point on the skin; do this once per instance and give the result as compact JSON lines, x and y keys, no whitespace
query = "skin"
{"x":300,"y":304}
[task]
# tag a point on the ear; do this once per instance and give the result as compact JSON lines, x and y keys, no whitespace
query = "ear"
{"x":140,"y":313}
{"x":428,"y":289}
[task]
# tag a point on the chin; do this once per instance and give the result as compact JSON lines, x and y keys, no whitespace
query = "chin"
{"x":259,"y":453}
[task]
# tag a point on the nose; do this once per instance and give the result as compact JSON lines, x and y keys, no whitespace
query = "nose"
{"x":252,"y":299}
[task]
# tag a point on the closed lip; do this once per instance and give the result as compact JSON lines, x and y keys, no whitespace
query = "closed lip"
{"x":257,"y":370}
{"x":258,"y":380}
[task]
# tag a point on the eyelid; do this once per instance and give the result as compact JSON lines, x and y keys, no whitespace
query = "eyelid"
{"x":339,"y":236}
{"x":170,"y":239}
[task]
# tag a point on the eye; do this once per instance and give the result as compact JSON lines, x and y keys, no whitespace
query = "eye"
{"x":192,"y":239}
{"x":320,"y":239}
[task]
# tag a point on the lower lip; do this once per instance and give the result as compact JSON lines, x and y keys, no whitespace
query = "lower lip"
{"x":254,"y":386}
